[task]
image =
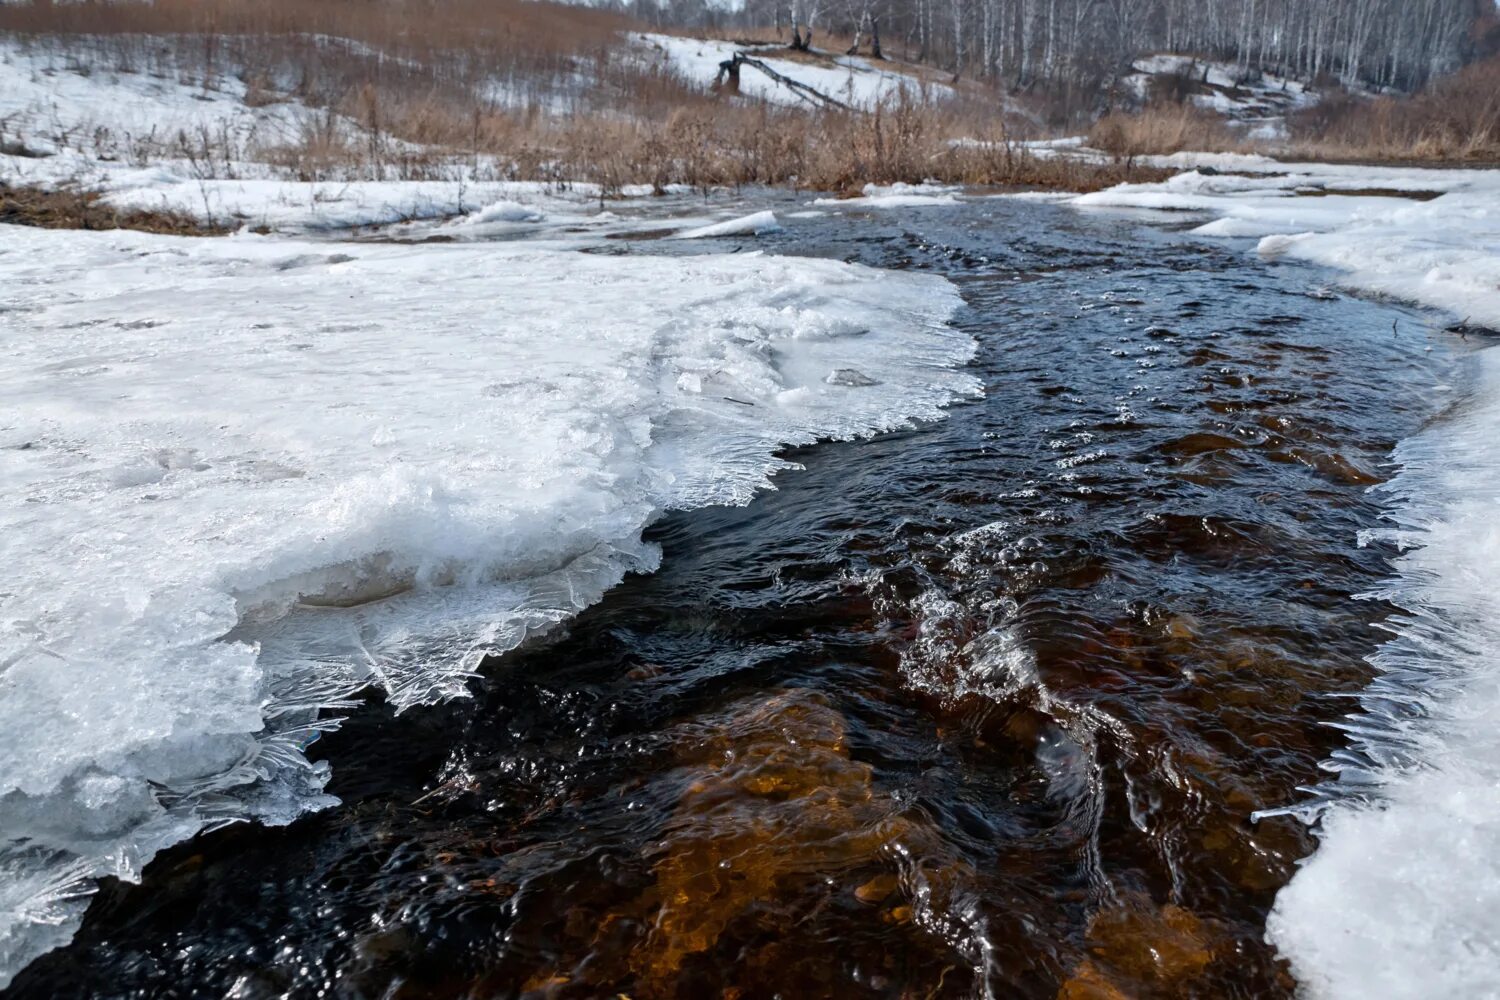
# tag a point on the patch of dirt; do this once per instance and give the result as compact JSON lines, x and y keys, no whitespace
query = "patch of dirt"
{"x":75,"y":208}
{"x":1369,"y":192}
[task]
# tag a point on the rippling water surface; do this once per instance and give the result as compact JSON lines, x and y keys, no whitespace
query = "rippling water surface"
{"x":982,"y":708}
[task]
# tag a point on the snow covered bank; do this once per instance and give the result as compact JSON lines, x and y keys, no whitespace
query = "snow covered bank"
{"x":242,"y":479}
{"x":1256,"y":101}
{"x":53,"y":103}
{"x":157,"y":143}
{"x":1400,"y":900}
{"x":1443,"y":253}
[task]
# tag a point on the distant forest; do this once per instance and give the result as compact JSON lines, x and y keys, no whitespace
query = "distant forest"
{"x":1085,"y":44}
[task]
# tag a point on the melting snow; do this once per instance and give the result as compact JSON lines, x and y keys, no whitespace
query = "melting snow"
{"x":127,"y":134}
{"x":750,"y":225}
{"x":1443,"y":253}
{"x":1400,"y":900}
{"x":1257,"y":101}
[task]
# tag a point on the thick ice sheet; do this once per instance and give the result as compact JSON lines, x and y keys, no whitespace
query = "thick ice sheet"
{"x":243,"y":478}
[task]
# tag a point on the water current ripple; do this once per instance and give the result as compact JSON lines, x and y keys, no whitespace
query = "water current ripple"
{"x":978,"y":709}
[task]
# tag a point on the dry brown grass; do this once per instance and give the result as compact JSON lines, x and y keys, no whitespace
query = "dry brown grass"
{"x":834,"y":151}
{"x":327,"y":52}
{"x":1163,"y":129}
{"x":73,"y":208}
{"x":416,"y":78}
{"x":523,"y":33}
{"x":1456,"y":118}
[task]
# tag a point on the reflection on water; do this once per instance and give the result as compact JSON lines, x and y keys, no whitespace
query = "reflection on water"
{"x":982,"y":708}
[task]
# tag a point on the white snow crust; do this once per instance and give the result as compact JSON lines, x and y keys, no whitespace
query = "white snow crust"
{"x":243,"y":479}
{"x":1401,"y":898}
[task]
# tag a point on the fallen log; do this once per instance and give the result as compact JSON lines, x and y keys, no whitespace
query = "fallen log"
{"x":730,"y":69}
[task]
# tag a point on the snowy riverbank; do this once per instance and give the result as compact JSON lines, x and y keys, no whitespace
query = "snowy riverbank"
{"x":245,"y":478}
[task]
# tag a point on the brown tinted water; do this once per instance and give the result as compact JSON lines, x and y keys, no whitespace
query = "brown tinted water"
{"x":978,"y":709}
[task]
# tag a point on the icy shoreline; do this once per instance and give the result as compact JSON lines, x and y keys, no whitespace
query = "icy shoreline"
{"x":245,"y":478}
{"x":1400,"y":898}
{"x":1431,"y":237}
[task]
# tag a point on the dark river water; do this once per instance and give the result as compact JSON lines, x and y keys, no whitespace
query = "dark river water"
{"x":978,"y":709}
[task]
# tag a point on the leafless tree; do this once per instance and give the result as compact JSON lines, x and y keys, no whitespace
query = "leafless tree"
{"x":1085,"y":43}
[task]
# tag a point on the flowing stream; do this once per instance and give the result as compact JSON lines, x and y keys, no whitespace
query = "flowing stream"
{"x":982,"y":708}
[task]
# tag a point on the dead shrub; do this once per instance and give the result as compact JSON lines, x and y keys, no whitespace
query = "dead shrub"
{"x":74,"y":208}
{"x":889,"y":145}
{"x":258,"y":92}
{"x":1454,"y":118}
{"x":1161,"y":129}
{"x":1173,"y":88}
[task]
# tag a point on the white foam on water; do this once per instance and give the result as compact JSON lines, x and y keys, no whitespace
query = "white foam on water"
{"x":243,"y":479}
